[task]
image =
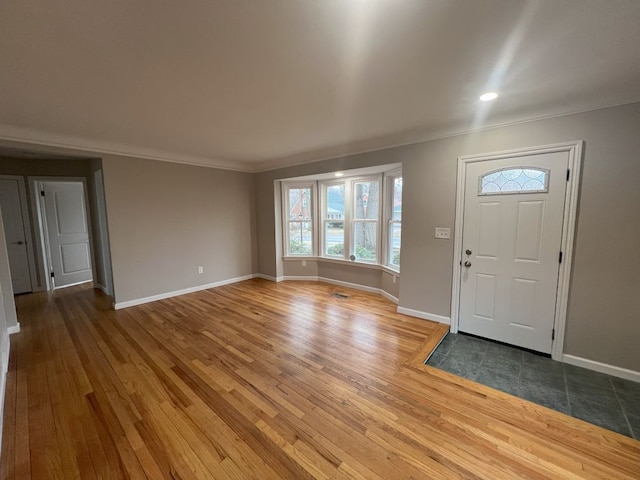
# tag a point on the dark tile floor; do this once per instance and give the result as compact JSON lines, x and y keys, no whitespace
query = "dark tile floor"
{"x":610,"y":402}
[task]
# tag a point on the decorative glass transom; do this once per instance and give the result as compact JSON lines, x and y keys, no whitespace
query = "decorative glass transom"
{"x":514,"y":180}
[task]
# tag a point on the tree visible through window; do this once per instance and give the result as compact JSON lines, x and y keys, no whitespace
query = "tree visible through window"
{"x":334,"y":217}
{"x":365,"y":222}
{"x":300,"y":221}
{"x":351,"y":216}
{"x":357,"y":220}
{"x":395,"y":222}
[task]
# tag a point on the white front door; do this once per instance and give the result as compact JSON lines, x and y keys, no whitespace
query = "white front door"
{"x":67,"y":232}
{"x":511,"y":240}
{"x":12,"y":216}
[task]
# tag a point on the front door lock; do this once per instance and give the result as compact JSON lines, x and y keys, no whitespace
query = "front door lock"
{"x":468,"y":252}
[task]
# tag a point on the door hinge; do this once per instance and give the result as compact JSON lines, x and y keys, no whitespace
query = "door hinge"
{"x":52,"y":275}
{"x":42,"y":193}
{"x":568,"y":173}
{"x":553,"y":334}
{"x":560,"y":258}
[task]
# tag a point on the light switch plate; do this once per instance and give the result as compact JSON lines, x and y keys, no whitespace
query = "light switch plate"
{"x":443,"y":233}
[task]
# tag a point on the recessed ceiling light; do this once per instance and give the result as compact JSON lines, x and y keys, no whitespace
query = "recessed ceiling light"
{"x":486,"y":97}
{"x":338,"y":174}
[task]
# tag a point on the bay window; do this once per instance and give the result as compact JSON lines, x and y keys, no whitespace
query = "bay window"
{"x":357,"y":219}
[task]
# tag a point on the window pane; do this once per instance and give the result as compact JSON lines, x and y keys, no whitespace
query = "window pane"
{"x":365,"y":241}
{"x":334,"y":239}
{"x":300,"y":238}
{"x":397,"y":199}
{"x":514,"y":180}
{"x":335,"y":202}
{"x":366,"y":200}
{"x":299,"y":204}
{"x":394,"y":244}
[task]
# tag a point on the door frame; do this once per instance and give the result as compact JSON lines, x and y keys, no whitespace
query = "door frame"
{"x":574,"y":149}
{"x":39,"y":216}
{"x":24,"y":206}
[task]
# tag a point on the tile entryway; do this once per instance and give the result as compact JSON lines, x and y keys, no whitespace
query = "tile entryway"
{"x":607,"y":401}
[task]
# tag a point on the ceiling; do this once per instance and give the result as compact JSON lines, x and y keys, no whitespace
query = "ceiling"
{"x":256,"y":84}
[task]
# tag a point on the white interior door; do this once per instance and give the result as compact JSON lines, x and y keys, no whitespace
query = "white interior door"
{"x":511,"y":240}
{"x":15,"y":232}
{"x":67,"y":233}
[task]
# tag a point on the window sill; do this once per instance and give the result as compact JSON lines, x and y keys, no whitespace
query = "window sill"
{"x":390,"y":270}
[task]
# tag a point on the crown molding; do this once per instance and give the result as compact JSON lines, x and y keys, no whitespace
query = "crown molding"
{"x":89,"y":148}
{"x":294,"y":160}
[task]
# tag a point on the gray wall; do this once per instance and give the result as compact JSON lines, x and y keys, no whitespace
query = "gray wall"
{"x":603,"y":322}
{"x":167,"y":219}
{"x":368,"y":277}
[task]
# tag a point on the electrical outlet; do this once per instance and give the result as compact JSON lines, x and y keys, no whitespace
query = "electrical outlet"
{"x":444,"y":233}
{"x":394,"y":279}
{"x":304,"y":263}
{"x":200,"y":270}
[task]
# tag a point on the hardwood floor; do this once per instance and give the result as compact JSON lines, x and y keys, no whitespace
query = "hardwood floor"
{"x":268,"y":381}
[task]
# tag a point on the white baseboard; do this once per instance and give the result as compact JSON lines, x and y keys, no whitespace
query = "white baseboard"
{"x":3,"y":380}
{"x":73,"y":284}
{"x":14,"y":329}
{"x":266,"y":277}
{"x":175,"y":293}
{"x":390,"y":297}
{"x":602,"y":367}
{"x":300,"y":278}
{"x":162,"y":296}
{"x":424,"y":315}
{"x":355,"y":286}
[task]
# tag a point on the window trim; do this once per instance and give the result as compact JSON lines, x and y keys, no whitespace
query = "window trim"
{"x":285,"y":220}
{"x":547,"y":179}
{"x":318,"y":221}
{"x":349,"y":216}
{"x":322,"y":188}
{"x":389,"y":179}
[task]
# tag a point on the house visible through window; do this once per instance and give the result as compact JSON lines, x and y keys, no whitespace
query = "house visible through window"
{"x":351,"y":217}
{"x":299,"y":220}
{"x":358,"y":220}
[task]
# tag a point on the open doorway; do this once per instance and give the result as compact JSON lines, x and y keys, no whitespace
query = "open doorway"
{"x":63,"y":221}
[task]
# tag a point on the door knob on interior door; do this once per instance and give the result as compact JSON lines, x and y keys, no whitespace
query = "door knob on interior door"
{"x":467,"y":264}
{"x":19,"y":242}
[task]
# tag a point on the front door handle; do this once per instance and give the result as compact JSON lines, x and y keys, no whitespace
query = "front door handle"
{"x":467,"y":264}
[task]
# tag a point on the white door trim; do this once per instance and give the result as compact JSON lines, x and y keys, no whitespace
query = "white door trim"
{"x":574,"y":150}
{"x":24,"y":206}
{"x":42,"y":238}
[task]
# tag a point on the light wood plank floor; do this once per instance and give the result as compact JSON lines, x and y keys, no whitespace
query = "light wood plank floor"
{"x":268,"y":381}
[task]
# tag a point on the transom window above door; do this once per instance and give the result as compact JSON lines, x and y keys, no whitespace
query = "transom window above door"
{"x":514,"y":180}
